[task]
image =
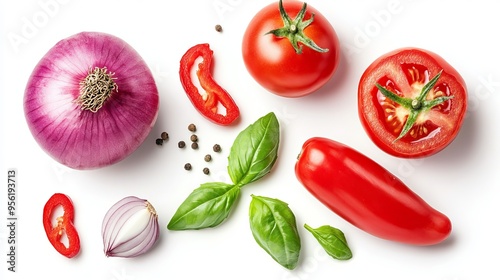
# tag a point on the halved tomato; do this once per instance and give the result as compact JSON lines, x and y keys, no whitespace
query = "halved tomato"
{"x":411,"y":102}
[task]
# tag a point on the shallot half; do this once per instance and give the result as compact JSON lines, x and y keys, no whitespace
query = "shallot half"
{"x":91,"y":100}
{"x":130,"y":228}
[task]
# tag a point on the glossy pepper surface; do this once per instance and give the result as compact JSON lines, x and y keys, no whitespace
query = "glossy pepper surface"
{"x":63,"y":225}
{"x":215,"y":96}
{"x":367,"y":195}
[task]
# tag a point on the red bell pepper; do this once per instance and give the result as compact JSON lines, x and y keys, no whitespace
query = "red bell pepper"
{"x":367,"y":195}
{"x":207,"y":104}
{"x":64,"y":225}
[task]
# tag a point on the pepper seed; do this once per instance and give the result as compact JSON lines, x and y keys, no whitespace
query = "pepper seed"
{"x":206,"y":171}
{"x":159,"y":141}
{"x":217,"y":148}
{"x":192,"y":127}
{"x":181,"y":144}
{"x":187,"y":166}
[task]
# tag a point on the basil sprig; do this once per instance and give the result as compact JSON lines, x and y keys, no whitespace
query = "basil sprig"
{"x":332,"y":240}
{"x":274,"y":228}
{"x":251,"y":157}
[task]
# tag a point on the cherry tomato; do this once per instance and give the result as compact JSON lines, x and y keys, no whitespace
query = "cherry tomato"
{"x":290,"y":49}
{"x":411,"y":102}
{"x":365,"y":194}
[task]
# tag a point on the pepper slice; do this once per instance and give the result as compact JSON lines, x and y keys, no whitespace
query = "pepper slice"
{"x":208,"y":103}
{"x":64,"y":225}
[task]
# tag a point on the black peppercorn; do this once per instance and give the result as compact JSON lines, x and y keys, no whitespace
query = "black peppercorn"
{"x":192,"y":127}
{"x":206,"y":171}
{"x":159,"y":141}
{"x":194,"y":145}
{"x":164,"y":136}
{"x":208,"y":158}
{"x":194,"y":138}
{"x":218,"y":28}
{"x":187,"y":166}
{"x":181,"y":144}
{"x":217,"y":148}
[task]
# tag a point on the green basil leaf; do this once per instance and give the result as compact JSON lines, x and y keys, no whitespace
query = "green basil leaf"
{"x":275,"y":230}
{"x":332,"y":240}
{"x":207,"y":206}
{"x":254,"y":151}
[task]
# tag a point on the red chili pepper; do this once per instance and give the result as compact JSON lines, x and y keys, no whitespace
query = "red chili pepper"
{"x":207,"y":104}
{"x":64,"y":225}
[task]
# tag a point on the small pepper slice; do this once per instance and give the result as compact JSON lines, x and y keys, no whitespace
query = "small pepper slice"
{"x":207,"y":104}
{"x":64,"y":225}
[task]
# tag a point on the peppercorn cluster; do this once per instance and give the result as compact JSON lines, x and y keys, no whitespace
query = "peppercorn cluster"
{"x":193,"y":139}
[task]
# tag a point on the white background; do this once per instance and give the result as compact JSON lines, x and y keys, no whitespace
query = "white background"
{"x":462,"y":181}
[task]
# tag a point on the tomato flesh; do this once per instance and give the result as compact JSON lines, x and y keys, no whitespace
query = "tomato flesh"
{"x":395,"y":116}
{"x":405,"y":72}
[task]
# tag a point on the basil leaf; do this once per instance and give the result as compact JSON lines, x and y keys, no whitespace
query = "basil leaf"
{"x":275,"y":230}
{"x":332,"y":240}
{"x":207,"y":206}
{"x":254,"y":151}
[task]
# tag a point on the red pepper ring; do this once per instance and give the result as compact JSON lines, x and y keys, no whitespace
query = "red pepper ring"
{"x":64,"y":225}
{"x":208,"y":103}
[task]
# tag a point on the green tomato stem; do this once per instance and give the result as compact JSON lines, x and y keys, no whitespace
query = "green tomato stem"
{"x":417,"y":105}
{"x":293,"y":30}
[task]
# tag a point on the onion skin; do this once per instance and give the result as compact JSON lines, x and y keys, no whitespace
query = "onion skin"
{"x":82,"y":139}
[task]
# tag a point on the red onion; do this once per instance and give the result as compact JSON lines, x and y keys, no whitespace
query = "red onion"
{"x":130,"y":228}
{"x":91,"y":101}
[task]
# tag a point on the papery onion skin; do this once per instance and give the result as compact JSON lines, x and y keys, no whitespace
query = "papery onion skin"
{"x":82,"y":139}
{"x":120,"y":218}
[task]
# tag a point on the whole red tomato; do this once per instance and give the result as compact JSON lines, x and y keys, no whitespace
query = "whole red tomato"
{"x":290,"y":49}
{"x":367,"y":195}
{"x":411,"y":102}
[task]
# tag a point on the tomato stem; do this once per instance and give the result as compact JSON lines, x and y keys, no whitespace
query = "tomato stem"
{"x":417,"y":105}
{"x":96,"y":88}
{"x":293,"y":29}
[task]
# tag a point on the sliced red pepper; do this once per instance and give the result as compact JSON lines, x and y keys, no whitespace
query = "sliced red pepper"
{"x":64,"y":225}
{"x":207,"y":104}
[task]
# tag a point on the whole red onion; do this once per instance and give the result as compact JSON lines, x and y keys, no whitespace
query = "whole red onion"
{"x":91,"y":101}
